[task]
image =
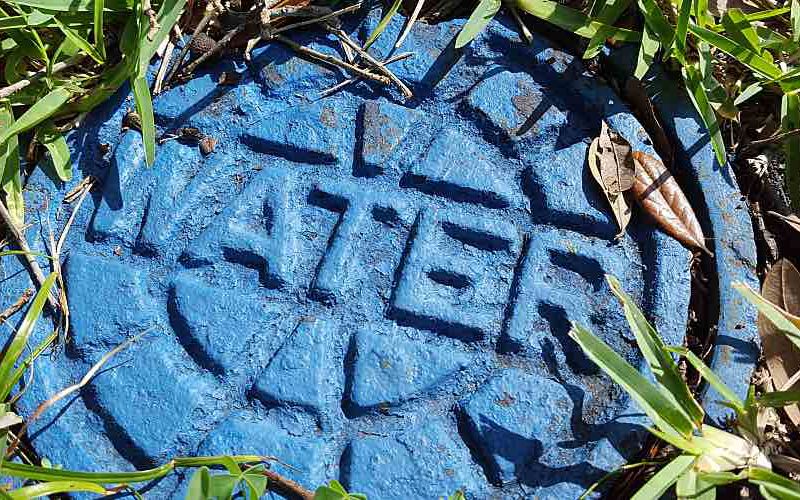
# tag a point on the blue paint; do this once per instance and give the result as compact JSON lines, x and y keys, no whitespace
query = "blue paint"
{"x":370,"y":289}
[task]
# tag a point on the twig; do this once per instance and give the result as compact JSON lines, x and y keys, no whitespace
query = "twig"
{"x":332,"y":60}
{"x":341,"y":85}
{"x":210,"y":14}
{"x":87,"y":377}
{"x":300,"y":24}
{"x":286,"y":485}
{"x":773,"y":138}
{"x":379,"y":66}
{"x":219,"y":46}
{"x":526,"y":33}
{"x":16,"y":306}
{"x":162,"y":69}
{"x":22,"y":243}
{"x":57,"y":67}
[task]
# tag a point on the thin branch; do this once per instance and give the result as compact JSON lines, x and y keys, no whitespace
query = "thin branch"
{"x":16,"y":306}
{"x":57,"y":67}
{"x":286,"y":485}
{"x":210,"y":14}
{"x":22,"y":243}
{"x":334,"y":61}
{"x":774,"y":138}
{"x":219,"y":46}
{"x":349,"y":81}
{"x":379,"y":66}
{"x":300,"y":24}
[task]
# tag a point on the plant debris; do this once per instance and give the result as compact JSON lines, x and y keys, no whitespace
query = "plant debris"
{"x":658,"y":193}
{"x":619,"y":206}
{"x":781,"y":288}
{"x":619,"y":169}
{"x":616,"y":165}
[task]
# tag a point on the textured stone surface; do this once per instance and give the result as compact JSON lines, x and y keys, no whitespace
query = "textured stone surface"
{"x":372,"y":289}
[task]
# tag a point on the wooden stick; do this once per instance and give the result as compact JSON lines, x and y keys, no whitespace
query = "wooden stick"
{"x":210,"y":13}
{"x":16,"y":306}
{"x":286,"y":485}
{"x":774,"y":138}
{"x":300,"y":24}
{"x":332,"y":60}
{"x":374,"y":62}
{"x":219,"y":46}
{"x":341,"y":85}
{"x":60,"y":66}
{"x":22,"y":243}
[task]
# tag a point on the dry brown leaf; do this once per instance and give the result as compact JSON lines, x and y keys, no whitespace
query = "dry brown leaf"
{"x":660,"y":196}
{"x":782,"y":288}
{"x":619,"y":206}
{"x":616,"y":164}
{"x":791,"y":220}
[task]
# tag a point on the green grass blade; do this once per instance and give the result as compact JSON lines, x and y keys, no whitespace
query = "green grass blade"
{"x":574,"y":21}
{"x":56,"y":145}
{"x":13,"y":22}
{"x":655,"y":353}
{"x":9,"y":168}
{"x":647,"y":53}
{"x":664,"y":412}
{"x":20,"y":339}
{"x":483,"y":13}
{"x":596,"y":43}
{"x":99,"y":41}
{"x":770,"y":311}
{"x":790,"y":120}
{"x":20,"y":370}
{"x":795,"y":18}
{"x":682,"y":28}
{"x":144,"y":106}
{"x":740,"y":30}
{"x":747,"y":93}
{"x":655,"y":19}
{"x":53,"y":488}
{"x":36,"y":114}
{"x":779,"y":399}
{"x":79,"y":41}
{"x":701,"y":14}
{"x":77,"y":5}
{"x":35,"y":473}
{"x":167,"y":16}
{"x":739,"y":52}
{"x":199,"y":485}
{"x":666,"y":477}
{"x":681,"y":443}
{"x":609,"y":14}
{"x":384,"y":22}
{"x":699,"y":97}
{"x":776,"y":484}
{"x":710,"y":377}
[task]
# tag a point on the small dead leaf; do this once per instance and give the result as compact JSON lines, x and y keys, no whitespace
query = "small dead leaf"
{"x":207,"y":145}
{"x":132,"y":120}
{"x":616,"y":165}
{"x":619,"y":206}
{"x":660,"y":196}
{"x":782,"y":288}
{"x":229,"y":78}
{"x":791,"y":220}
